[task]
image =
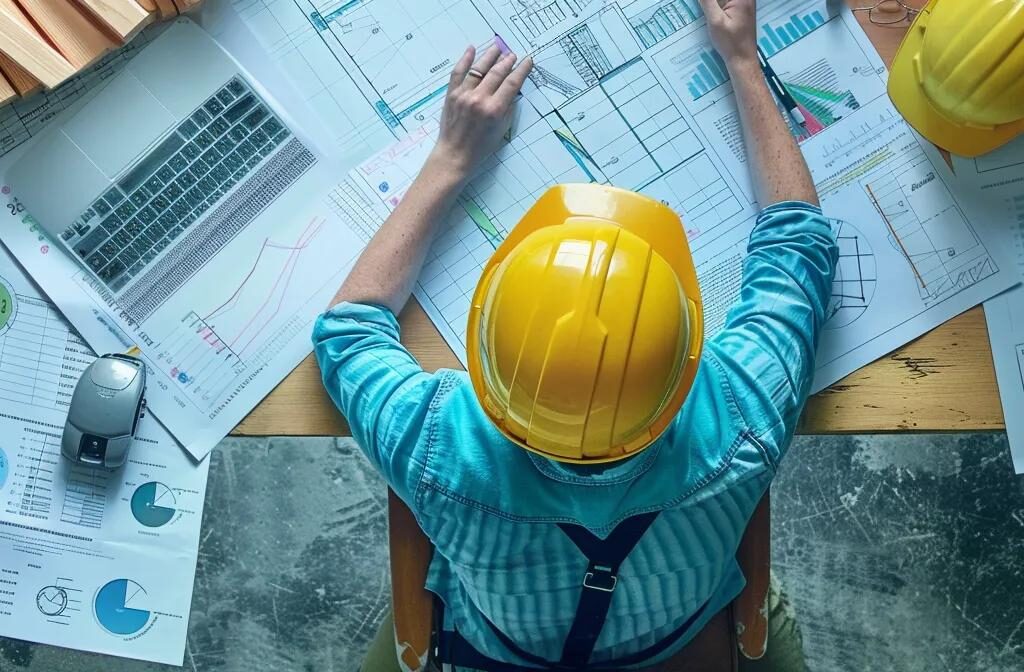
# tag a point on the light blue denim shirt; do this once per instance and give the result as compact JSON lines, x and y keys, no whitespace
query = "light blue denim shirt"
{"x":489,"y":506}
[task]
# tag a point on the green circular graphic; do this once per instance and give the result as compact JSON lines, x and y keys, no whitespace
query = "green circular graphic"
{"x":7,"y":305}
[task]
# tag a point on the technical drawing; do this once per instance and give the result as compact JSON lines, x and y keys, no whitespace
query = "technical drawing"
{"x":576,"y":61}
{"x":928,"y":229}
{"x":1002,"y":158}
{"x":700,"y":195}
{"x":536,"y":20}
{"x":654,"y":24}
{"x":628,"y":127}
{"x":404,"y":49}
{"x":483,"y":221}
{"x":855,"y":280}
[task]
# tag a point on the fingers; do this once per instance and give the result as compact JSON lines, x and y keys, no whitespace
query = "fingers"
{"x":482,"y":67}
{"x":513,"y":84}
{"x":462,"y":67}
{"x":496,"y":76}
{"x":712,"y":10}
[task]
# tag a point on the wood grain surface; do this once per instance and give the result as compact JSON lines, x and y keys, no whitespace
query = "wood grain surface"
{"x":943,"y":381}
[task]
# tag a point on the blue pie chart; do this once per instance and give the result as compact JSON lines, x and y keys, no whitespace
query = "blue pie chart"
{"x":3,"y":467}
{"x":113,"y":607}
{"x":153,"y":504}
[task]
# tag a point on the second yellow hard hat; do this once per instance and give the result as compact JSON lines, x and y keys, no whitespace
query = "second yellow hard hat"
{"x":958,"y":77}
{"x":586,"y":326}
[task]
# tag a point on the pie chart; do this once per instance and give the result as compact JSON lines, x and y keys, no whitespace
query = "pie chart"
{"x":153,"y":504}
{"x":114,"y":607}
{"x":52,"y":600}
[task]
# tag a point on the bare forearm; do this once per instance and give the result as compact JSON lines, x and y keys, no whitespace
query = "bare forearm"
{"x":777,"y":167}
{"x":388,"y":268}
{"x":477,"y":109}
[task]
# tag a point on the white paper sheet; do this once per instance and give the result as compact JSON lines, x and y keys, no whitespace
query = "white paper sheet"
{"x":233,"y":327}
{"x":662,"y":120}
{"x":93,"y":560}
{"x":996,"y":182}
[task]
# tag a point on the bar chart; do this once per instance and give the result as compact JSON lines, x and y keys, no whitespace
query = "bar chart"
{"x":711,"y":73}
{"x":776,"y":37}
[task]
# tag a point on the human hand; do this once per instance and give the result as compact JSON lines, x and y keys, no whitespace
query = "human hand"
{"x":478,"y":108}
{"x":733,"y":28}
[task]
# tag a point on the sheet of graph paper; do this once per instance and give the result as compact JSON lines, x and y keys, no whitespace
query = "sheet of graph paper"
{"x":997,"y":191}
{"x":647,"y":106}
{"x":218,"y":327}
{"x":95,"y":560}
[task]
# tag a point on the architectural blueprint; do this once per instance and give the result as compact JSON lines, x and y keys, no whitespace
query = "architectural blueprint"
{"x":632,"y":94}
{"x":996,"y":190}
{"x":92,"y":559}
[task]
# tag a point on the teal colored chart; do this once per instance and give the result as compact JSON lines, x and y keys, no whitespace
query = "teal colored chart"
{"x":153,"y":504}
{"x":114,"y":607}
{"x":4,"y":467}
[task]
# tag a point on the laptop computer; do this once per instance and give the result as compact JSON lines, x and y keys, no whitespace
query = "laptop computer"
{"x":152,"y":176}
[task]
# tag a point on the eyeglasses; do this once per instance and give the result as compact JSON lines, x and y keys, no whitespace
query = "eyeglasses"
{"x":889,"y":12}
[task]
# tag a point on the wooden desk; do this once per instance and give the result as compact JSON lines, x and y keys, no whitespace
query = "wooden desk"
{"x":942,"y":381}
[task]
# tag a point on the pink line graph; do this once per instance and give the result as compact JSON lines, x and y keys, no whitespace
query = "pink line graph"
{"x":283,"y":281}
{"x":233,"y":299}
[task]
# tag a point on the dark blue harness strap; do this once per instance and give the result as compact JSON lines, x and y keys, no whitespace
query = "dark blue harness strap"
{"x":604,"y":556}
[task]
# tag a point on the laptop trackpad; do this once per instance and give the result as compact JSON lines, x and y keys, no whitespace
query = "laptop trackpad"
{"x":118,"y":126}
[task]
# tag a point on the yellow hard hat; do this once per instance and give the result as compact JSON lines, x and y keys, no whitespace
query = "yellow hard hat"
{"x":586,"y":327}
{"x":958,"y":77}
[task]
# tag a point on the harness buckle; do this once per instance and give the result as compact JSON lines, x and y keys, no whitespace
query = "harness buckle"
{"x":601,"y":579}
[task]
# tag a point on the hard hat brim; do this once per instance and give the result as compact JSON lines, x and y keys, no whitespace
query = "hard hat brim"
{"x":909,"y":97}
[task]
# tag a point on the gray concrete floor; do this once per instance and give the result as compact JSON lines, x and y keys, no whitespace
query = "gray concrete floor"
{"x":899,"y":552}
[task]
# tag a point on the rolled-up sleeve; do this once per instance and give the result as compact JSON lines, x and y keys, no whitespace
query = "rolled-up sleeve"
{"x":378,"y":386}
{"x":772,"y":332}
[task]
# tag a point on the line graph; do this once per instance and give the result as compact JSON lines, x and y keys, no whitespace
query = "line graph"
{"x":208,"y":351}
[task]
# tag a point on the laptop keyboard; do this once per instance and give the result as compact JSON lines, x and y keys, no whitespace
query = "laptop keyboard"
{"x":171,"y":187}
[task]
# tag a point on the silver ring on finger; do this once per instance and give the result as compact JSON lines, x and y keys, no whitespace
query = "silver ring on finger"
{"x":473,"y":72}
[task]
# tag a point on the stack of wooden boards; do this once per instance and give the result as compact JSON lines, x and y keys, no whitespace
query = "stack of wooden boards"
{"x":44,"y":42}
